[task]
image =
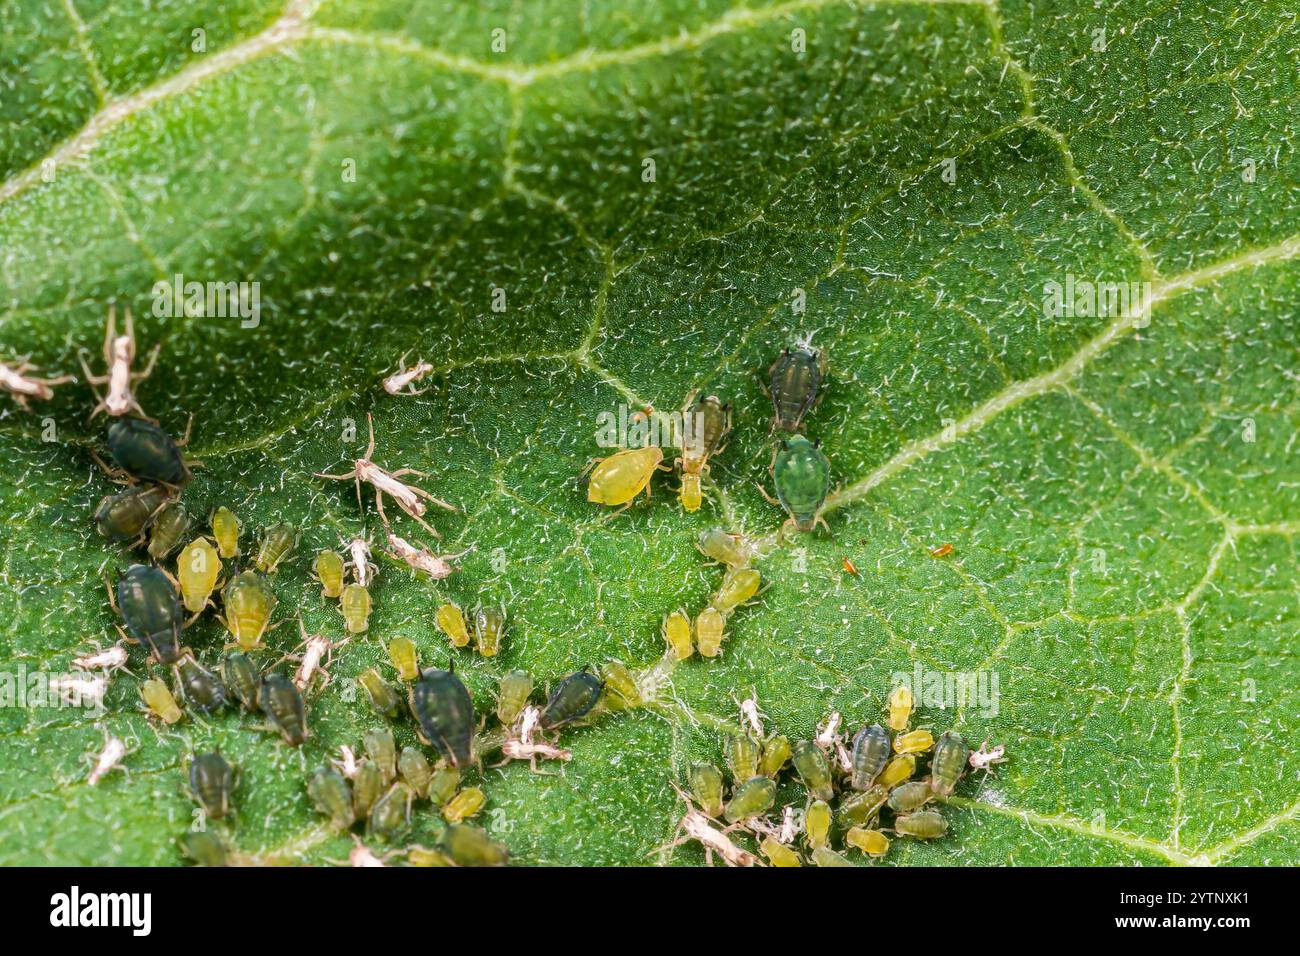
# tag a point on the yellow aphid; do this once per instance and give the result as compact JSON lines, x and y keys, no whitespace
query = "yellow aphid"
{"x":621,"y":690}
{"x":817,"y":824}
{"x":329,"y":571}
{"x":248,"y":604}
{"x":489,"y":625}
{"x":402,"y":652}
{"x":896,"y":771}
{"x":692,"y":497}
{"x":423,"y":856}
{"x":677,"y":632}
{"x":452,"y":623}
{"x":901,"y":705}
{"x":464,"y":805}
{"x":778,"y":854}
{"x":197,"y":568}
{"x":622,"y":476}
{"x":225,"y":528}
{"x":160,"y":701}
{"x":871,"y":842}
{"x":915,"y":742}
{"x":738,"y":586}
{"x":708,"y":631}
{"x":354,"y":602}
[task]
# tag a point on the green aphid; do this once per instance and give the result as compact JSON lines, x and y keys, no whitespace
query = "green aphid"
{"x":383,"y":698}
{"x":753,"y":797}
{"x":825,"y":856}
{"x":151,"y":610}
{"x":814,"y":769}
{"x":169,"y":527}
{"x":802,"y":475}
{"x":861,"y":807}
{"x":738,"y":586}
{"x":211,"y":781}
{"x":948,"y":763}
{"x":125,"y":515}
{"x":414,"y":767}
{"x":776,"y":754}
{"x":367,"y":787}
{"x":743,"y":756}
{"x":729,"y":549}
{"x":910,"y":796}
{"x":706,"y":786}
{"x":471,"y":846}
{"x":330,"y":793}
{"x":489,"y":626}
{"x":355,"y":605}
{"x":329,"y":568}
{"x":442,"y":707}
{"x":283,"y":706}
{"x":277,"y":541}
{"x":205,"y":848}
{"x":382,"y":749}
{"x":795,"y":385}
{"x":242,"y":678}
{"x":247,"y":605}
{"x":145,"y":451}
{"x":572,"y":699}
{"x":443,"y":784}
{"x":225,"y":531}
{"x":871,"y":751}
{"x":512,"y":696}
{"x":202,"y":689}
{"x":390,"y":817}
{"x":621,"y":690}
{"x":923,"y":825}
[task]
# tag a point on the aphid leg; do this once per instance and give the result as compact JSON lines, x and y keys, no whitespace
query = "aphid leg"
{"x":420,"y":491}
{"x":770,"y":500}
{"x":370,"y":448}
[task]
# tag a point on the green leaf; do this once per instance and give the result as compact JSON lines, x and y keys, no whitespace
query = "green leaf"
{"x":1120,"y":491}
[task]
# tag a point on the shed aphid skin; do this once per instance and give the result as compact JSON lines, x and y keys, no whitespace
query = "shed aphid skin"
{"x":512,"y":696}
{"x":948,"y":763}
{"x":524,"y":742}
{"x":144,"y":451}
{"x":391,"y":815}
{"x":119,"y":355}
{"x":817,"y":824}
{"x":160,"y":701}
{"x":347,"y":763}
{"x":738,"y":586}
{"x":801,"y":473}
{"x":212,"y":779}
{"x":870,"y":754}
{"x":795,"y":384}
{"x":464,"y":805}
{"x":984,"y":758}
{"x":359,"y":563}
{"x":572,"y":699}
{"x":81,"y":691}
{"x":743,"y":755}
{"x":355,"y":606}
{"x":413,"y":766}
{"x":710,"y":626}
{"x":381,"y":747}
{"x":383,"y":698}
{"x":422,"y":560}
{"x":198,"y":568}
{"x":109,"y":758}
{"x":813,"y":768}
{"x":248,"y":603}
{"x":328,"y":568}
{"x":442,"y":707}
{"x":283,"y":706}
{"x":201,"y":689}
{"x":706,"y":435}
{"x":734,"y":550}
{"x":470,"y":846}
{"x":362,"y":856}
{"x":901,"y":705}
{"x":367,"y":788}
{"x":489,"y":627}
{"x":677,"y":632}
{"x":896,"y":771}
{"x":171,"y":523}
{"x":409,"y":498}
{"x":16,"y":380}
{"x":706,"y":786}
{"x":317,"y":654}
{"x":112,"y":658}
{"x":332,"y":796}
{"x":861,"y":807}
{"x":696,"y":826}
{"x":910,"y":796}
{"x":225,"y":531}
{"x":151,"y":611}
{"x":451,"y":622}
{"x":277,"y":542}
{"x":242,"y":678}
{"x":871,"y":842}
{"x":405,"y":658}
{"x":402,"y":382}
{"x":914,"y":742}
{"x":617,"y":480}
{"x":752,"y":798}
{"x":125,"y":515}
{"x":778,"y":854}
{"x":922,"y":825}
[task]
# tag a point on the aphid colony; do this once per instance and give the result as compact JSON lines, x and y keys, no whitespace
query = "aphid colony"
{"x":740,"y":585}
{"x":861,"y":791}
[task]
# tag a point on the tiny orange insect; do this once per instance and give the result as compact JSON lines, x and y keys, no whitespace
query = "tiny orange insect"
{"x":942,"y":551}
{"x":851,"y":568}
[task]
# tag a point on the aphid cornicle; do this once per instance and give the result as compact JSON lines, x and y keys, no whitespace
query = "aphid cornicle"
{"x":909,"y":796}
{"x":144,"y":450}
{"x":572,"y":699}
{"x":470,"y":846}
{"x":738,"y":586}
{"x":329,"y":569}
{"x":615,"y":481}
{"x":205,"y":848}
{"x":677,"y":632}
{"x":729,"y":549}
{"x":709,"y":632}
{"x":406,"y":659}
{"x":862,"y":806}
{"x":201,"y":689}
{"x":870,"y":754}
{"x":743,"y":756}
{"x":817,"y":824}
{"x":247,"y":604}
{"x":814,"y":769}
{"x":277,"y":541}
{"x":414,"y":767}
{"x":382,"y":749}
{"x":706,"y":787}
{"x":776,"y":754}
{"x":283,"y":706}
{"x":242,"y":678}
{"x":451,"y":622}
{"x":355,"y":604}
{"x":750,"y":799}
{"x":948,"y":763}
{"x":330,"y":792}
{"x":125,"y":515}
{"x":897,"y":770}
{"x":225,"y":531}
{"x":170,"y":524}
{"x":621,"y":690}
{"x":871,"y":842}
{"x":383,"y":698}
{"x":197,"y":568}
{"x":922,"y":825}
{"x":901,"y":704}
{"x":489,"y":625}
{"x":211,"y":781}
{"x":442,"y":707}
{"x":801,"y":473}
{"x":443,"y":784}
{"x":464,"y":805}
{"x":778,"y":854}
{"x":795,"y":384}
{"x":160,"y":701}
{"x":367,"y":787}
{"x":512,"y":696}
{"x":151,"y":611}
{"x":390,"y":816}
{"x":914,"y":742}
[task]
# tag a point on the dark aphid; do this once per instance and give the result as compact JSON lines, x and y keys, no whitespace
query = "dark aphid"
{"x":151,"y":609}
{"x":924,"y":825}
{"x":795,"y":384}
{"x":706,"y":787}
{"x":814,"y":769}
{"x":382,"y":749}
{"x":367,"y":786}
{"x":201,"y":688}
{"x":948,"y":763}
{"x":443,"y":708}
{"x":144,"y":450}
{"x":382,"y":696}
{"x":414,"y":767}
{"x":910,"y":796}
{"x":572,"y":698}
{"x":125,"y":515}
{"x":211,"y":781}
{"x":205,"y":848}
{"x":391,"y":814}
{"x":283,"y":706}
{"x":242,"y":678}
{"x":802,"y":475}
{"x":870,"y":754}
{"x":470,"y":846}
{"x":277,"y":541}
{"x":169,"y":526}
{"x":750,"y":799}
{"x":330,"y":793}
{"x":862,"y":806}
